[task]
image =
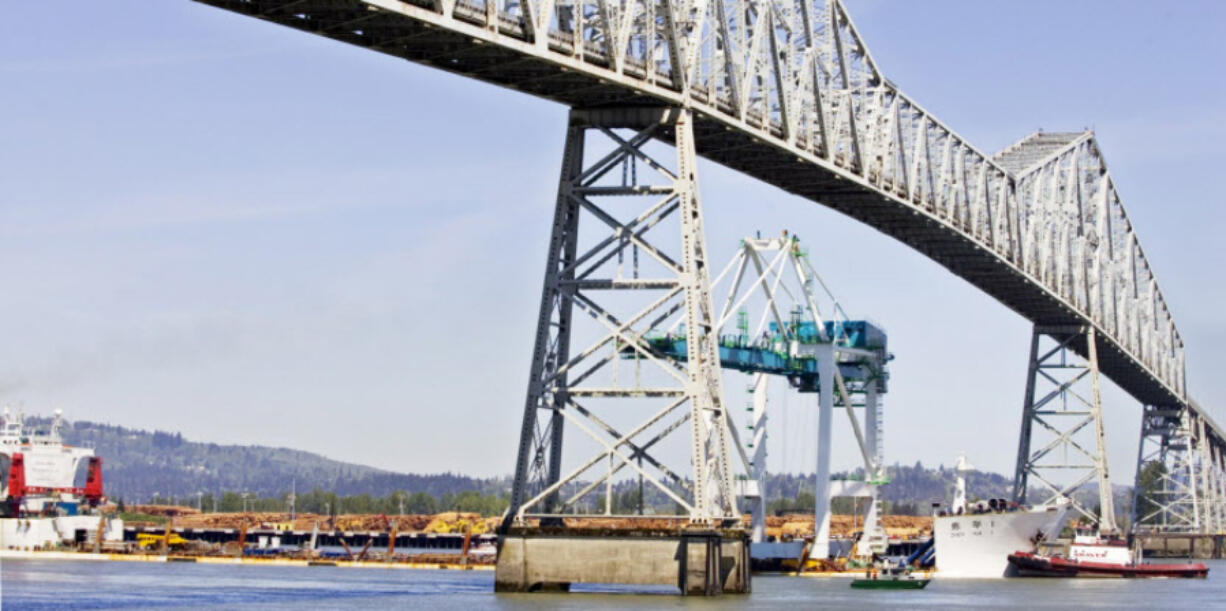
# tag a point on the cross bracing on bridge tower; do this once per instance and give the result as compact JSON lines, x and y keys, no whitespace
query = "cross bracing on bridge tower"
{"x":1181,"y":475}
{"x":1067,"y":449}
{"x":672,"y":339}
{"x":787,"y":91}
{"x":640,"y":265}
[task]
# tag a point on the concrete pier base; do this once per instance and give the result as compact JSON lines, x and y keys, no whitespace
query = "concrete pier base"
{"x":703,"y":563}
{"x":1181,"y":545}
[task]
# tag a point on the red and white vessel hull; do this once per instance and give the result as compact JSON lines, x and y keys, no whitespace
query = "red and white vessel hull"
{"x":1029,"y":564}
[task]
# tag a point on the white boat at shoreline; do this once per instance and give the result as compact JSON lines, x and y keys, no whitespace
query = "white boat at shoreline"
{"x":975,"y":540}
{"x":41,"y":507}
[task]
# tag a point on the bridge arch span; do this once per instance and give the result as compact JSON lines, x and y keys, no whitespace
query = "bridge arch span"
{"x":788,"y":92}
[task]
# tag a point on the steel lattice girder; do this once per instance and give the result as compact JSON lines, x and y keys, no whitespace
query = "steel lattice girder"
{"x":1184,"y":487}
{"x":1068,"y":416}
{"x":788,"y":92}
{"x":577,"y":281}
{"x":1168,"y":503}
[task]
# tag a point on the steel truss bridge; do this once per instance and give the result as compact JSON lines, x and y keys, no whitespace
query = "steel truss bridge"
{"x":787,"y":91}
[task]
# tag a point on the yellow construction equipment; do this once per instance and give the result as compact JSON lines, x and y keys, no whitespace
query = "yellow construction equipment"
{"x":148,"y":540}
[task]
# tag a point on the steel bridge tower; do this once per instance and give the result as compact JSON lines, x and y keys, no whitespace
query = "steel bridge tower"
{"x":581,"y":277}
{"x":1063,"y":398}
{"x":1180,"y":484}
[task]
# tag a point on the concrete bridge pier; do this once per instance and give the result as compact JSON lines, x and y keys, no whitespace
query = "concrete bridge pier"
{"x":696,"y":562}
{"x":1183,"y":545}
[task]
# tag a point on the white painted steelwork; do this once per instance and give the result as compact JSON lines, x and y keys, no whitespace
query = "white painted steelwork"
{"x":1181,"y":476}
{"x":755,"y":483}
{"x":1063,"y":399}
{"x":580,"y":275}
{"x":788,"y":92}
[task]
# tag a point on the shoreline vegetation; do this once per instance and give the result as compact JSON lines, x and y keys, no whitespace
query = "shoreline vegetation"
{"x":159,"y":467}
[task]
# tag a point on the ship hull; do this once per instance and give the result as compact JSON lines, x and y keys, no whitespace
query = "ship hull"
{"x":889,"y":584}
{"x":1032,"y":565}
{"x":978,"y":546}
{"x":39,"y":533}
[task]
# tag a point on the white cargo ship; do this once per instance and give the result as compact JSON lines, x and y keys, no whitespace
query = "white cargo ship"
{"x":42,"y":508}
{"x":975,"y":540}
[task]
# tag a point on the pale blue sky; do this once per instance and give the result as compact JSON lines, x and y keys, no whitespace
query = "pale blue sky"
{"x":220,"y":226}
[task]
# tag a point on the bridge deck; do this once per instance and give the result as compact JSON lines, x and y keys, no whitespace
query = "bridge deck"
{"x":477,"y":41}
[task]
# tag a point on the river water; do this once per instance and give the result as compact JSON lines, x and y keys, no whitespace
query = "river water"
{"x":58,"y":584}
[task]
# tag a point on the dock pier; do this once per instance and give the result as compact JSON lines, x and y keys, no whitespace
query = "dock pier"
{"x":279,"y":539}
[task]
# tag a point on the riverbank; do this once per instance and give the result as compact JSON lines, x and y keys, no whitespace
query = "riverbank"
{"x":282,"y":562}
{"x":784,"y":526}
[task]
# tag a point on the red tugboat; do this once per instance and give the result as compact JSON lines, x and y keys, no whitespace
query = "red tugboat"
{"x":1094,"y":556}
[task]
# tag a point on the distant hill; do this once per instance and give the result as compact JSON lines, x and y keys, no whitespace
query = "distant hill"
{"x":912,"y":489}
{"x":140,"y":464}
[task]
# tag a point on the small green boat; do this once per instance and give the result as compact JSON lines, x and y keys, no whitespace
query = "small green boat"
{"x":890,"y":583}
{"x":889,"y":579}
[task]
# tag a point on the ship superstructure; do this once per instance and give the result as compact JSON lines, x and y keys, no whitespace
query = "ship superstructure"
{"x":39,"y":468}
{"x":42,"y":505}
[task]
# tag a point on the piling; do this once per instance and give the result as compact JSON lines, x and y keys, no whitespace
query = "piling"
{"x":391,"y":542}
